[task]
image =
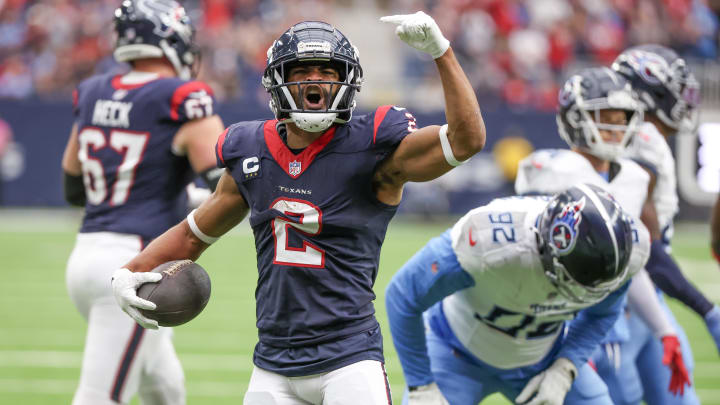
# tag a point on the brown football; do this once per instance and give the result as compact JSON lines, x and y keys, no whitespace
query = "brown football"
{"x":180,"y":295}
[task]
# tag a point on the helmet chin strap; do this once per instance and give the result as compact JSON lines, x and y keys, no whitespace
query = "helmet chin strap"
{"x":182,"y":71}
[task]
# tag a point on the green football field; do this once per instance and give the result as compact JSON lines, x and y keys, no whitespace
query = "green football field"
{"x":41,"y":336}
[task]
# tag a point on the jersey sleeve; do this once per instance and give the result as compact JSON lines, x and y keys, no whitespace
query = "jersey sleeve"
{"x":75,"y":95}
{"x":232,"y":144}
{"x":640,"y":249}
{"x":79,"y":93}
{"x":550,"y":171}
{"x":648,"y":148}
{"x":391,"y":125}
{"x":190,"y":101}
{"x":491,"y":237}
{"x":538,"y":174}
{"x":588,"y":329}
{"x":412,"y":290}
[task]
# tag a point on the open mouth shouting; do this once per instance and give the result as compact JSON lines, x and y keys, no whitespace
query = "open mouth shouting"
{"x":314,"y":97}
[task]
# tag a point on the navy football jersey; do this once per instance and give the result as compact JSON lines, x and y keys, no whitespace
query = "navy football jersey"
{"x":133,"y":181}
{"x":318,"y":229}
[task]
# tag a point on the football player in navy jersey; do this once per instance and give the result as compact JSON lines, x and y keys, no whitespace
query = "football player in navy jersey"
{"x":320,"y":189}
{"x":137,"y":141}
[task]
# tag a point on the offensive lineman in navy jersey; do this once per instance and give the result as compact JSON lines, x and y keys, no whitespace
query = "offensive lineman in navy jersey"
{"x":137,"y":141}
{"x":320,"y":190}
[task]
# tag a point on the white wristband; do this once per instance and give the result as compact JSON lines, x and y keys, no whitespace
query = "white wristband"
{"x":197,"y":232}
{"x":447,"y":150}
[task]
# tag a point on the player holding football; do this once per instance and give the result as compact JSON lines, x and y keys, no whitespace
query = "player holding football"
{"x":137,"y":141}
{"x":598,"y":117}
{"x":516,"y":295}
{"x":320,"y":189}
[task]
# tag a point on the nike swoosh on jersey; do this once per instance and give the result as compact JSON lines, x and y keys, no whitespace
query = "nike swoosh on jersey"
{"x":470,"y":238}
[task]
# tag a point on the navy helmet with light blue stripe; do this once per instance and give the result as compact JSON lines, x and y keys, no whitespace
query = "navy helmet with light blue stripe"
{"x":664,"y":82}
{"x":580,"y":104}
{"x":585,"y":243}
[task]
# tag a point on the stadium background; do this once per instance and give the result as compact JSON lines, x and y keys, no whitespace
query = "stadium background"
{"x":516,"y":54}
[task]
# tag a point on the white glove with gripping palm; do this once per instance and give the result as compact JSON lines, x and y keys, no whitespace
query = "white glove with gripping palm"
{"x":426,"y":395}
{"x":550,"y":386}
{"x":420,"y":31}
{"x":125,"y":284}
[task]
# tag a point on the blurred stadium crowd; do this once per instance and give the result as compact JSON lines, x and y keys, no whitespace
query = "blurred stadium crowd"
{"x":513,"y":50}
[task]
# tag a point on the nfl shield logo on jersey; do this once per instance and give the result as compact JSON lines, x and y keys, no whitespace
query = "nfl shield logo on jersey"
{"x":295,"y":168}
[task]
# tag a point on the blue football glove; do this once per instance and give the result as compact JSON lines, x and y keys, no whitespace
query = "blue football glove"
{"x":712,"y":320}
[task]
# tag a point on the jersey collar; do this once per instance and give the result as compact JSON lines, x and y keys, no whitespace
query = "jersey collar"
{"x":293,"y":165}
{"x":133,"y":80}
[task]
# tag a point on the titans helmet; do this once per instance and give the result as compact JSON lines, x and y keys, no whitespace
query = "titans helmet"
{"x":585,"y":242}
{"x":664,"y":83}
{"x":580,"y":102}
{"x":156,"y":29}
{"x":312,"y":42}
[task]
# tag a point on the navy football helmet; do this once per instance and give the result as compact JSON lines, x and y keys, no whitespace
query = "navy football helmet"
{"x":580,"y":102}
{"x":312,"y":42}
{"x":156,"y":29}
{"x":585,"y":242}
{"x":664,"y":83}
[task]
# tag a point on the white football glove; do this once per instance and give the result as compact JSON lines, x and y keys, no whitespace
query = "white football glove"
{"x":427,"y":395}
{"x":551,"y":385}
{"x":420,"y":31}
{"x":125,"y":284}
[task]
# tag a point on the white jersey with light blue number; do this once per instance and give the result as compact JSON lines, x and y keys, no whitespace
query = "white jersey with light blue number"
{"x":521,"y":313}
{"x":550,"y":171}
{"x":649,"y":147}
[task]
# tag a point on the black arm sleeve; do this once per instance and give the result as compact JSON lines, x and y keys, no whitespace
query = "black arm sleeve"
{"x":666,"y":274}
{"x":74,"y":189}
{"x":211,"y":177}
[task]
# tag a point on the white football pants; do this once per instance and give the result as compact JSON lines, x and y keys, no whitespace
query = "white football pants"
{"x":120,"y":358}
{"x":361,"y":383}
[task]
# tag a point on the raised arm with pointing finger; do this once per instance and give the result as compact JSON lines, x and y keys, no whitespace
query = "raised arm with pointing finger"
{"x":318,"y":236}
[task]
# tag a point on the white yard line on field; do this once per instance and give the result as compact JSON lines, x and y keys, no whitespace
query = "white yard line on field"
{"x":73,"y":359}
{"x":58,"y":386}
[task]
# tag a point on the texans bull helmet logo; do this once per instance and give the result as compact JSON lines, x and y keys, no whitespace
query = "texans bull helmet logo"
{"x":564,"y":229}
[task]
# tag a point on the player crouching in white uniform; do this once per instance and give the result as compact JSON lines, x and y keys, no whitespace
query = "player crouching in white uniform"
{"x":598,"y":117}
{"x":518,"y":295}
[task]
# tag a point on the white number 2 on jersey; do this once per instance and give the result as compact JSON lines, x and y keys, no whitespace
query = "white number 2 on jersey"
{"x":130,"y":144}
{"x":309,"y":222}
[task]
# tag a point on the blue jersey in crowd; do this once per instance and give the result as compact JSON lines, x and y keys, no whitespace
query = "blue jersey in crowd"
{"x":318,"y":229}
{"x":133,"y":180}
